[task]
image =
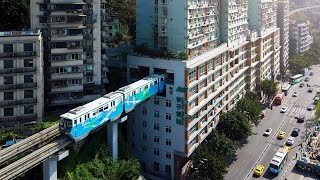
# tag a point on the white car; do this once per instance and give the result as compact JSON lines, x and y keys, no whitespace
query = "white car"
{"x":283,"y":109}
{"x":310,"y":108}
{"x":290,"y":140}
{"x":295,"y":94}
{"x":318,"y":90}
{"x":267,"y":132}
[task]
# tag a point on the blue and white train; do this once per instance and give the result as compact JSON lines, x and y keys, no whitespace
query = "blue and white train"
{"x":79,"y":122}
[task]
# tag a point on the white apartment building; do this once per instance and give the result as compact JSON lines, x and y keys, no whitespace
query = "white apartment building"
{"x":283,"y":24}
{"x":300,"y":38}
{"x":72,"y":46}
{"x":21,"y":79}
{"x":164,"y":131}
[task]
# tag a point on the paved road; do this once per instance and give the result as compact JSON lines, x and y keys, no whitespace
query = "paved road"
{"x":302,"y":9}
{"x":261,"y":149}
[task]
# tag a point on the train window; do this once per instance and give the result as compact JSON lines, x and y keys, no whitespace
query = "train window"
{"x":101,"y":109}
{"x":74,"y":122}
{"x":80,"y":120}
{"x":106,"y":107}
{"x":146,"y":87}
{"x":114,"y":103}
{"x":88,"y":115}
{"x":155,"y":82}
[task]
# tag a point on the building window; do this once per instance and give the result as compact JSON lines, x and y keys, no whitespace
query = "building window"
{"x":8,"y":112}
{"x":193,"y":117}
{"x":168,"y":168}
{"x":144,"y":136}
{"x":144,"y":111}
{"x":202,"y":70}
{"x":168,"y":103}
{"x":28,"y":109}
{"x":7,"y":63}
{"x":7,"y":48}
{"x":193,"y":129}
{"x":27,"y":47}
{"x":168,"y":116}
{"x":168,"y":142}
{"x":203,"y":84}
{"x":144,"y":123}
{"x":218,"y":61}
{"x":156,"y":114}
{"x":192,"y":75}
{"x":210,"y":65}
{"x":156,"y":151}
{"x":168,"y":129}
{"x":156,"y":101}
{"x":132,"y":132}
{"x":144,"y":148}
{"x":193,"y":104}
{"x":193,"y":142}
{"x":193,"y":90}
{"x":7,"y":96}
{"x":143,"y":166}
{"x":28,"y":62}
{"x":28,"y":78}
{"x":156,"y":166}
{"x":171,"y":90}
{"x":156,"y":126}
{"x":156,"y":139}
{"x":8,"y":80}
{"x":168,"y":155}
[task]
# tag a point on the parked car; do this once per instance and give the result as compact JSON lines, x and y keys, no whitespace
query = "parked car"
{"x":295,"y":132}
{"x":295,"y":94}
{"x":267,"y":132}
{"x":301,"y":85}
{"x":310,"y":90}
{"x":290,"y":141}
{"x":310,"y":108}
{"x":283,"y":109}
{"x":300,"y":118}
{"x":281,"y":135}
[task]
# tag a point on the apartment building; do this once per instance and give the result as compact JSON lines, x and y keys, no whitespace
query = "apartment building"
{"x":283,"y":24}
{"x":71,"y":30}
{"x":21,"y":79}
{"x":300,"y":38}
{"x":226,"y":58}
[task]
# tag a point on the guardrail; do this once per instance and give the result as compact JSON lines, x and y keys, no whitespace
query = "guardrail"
{"x":29,"y":142}
{"x":33,"y":159}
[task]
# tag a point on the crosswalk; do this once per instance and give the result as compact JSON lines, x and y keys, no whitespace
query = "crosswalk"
{"x":302,"y":111}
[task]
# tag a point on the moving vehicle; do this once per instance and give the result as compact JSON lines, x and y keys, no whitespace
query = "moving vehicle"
{"x":311,"y":74}
{"x":290,"y":141}
{"x":279,"y":159}
{"x":267,"y":132}
{"x":295,"y":132}
{"x":295,"y":94}
{"x":79,"y":122}
{"x":296,"y":79}
{"x":300,"y":118}
{"x":279,"y":98}
{"x":301,"y":85}
{"x":310,"y":108}
{"x":285,"y":88}
{"x":287,"y":148}
{"x":283,"y":109}
{"x":281,"y":135}
{"x":259,"y":170}
{"x":306,"y":79}
{"x":310,"y":90}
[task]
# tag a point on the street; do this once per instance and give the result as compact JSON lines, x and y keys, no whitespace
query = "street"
{"x":261,"y":149}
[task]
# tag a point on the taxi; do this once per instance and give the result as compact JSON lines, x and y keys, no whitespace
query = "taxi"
{"x":287,"y":148}
{"x":281,"y":135}
{"x":259,"y":170}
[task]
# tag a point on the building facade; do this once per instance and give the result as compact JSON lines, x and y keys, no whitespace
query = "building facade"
{"x":164,"y":131}
{"x":283,"y":24}
{"x":21,"y":79}
{"x":72,"y":34}
{"x":300,"y":38}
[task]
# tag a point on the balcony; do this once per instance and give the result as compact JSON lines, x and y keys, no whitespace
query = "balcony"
{"x":17,"y":54}
{"x":18,"y":70}
{"x":18,"y":102}
{"x":25,"y":117}
{"x":18,"y":86}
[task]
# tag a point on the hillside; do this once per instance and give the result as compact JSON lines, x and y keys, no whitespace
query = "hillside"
{"x":295,"y":4}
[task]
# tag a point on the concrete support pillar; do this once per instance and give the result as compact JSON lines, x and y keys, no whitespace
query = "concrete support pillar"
{"x":50,"y":165}
{"x":112,"y":139}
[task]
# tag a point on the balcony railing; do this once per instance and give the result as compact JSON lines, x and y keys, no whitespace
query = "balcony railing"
{"x":17,"y":86}
{"x":18,"y":118}
{"x":18,"y":102}
{"x":17,"y":54}
{"x":18,"y":70}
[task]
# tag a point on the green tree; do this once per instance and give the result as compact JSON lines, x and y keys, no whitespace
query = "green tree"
{"x":317,"y":112}
{"x":207,"y":164}
{"x":220,"y":144}
{"x":268,"y":87}
{"x":251,"y":109}
{"x":15,"y":14}
{"x":298,"y":62}
{"x":234,"y":125}
{"x":252,"y":95}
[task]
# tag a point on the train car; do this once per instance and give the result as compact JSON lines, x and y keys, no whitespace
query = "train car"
{"x":161,"y":85}
{"x":79,"y":122}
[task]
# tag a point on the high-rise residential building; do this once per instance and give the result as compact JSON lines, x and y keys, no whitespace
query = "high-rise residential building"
{"x":283,"y":24}
{"x":72,"y":40}
{"x":226,"y":58}
{"x":300,"y":38}
{"x":21,"y":79}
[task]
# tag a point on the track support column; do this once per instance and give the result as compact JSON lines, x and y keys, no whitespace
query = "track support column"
{"x":50,"y":165}
{"x":112,"y":136}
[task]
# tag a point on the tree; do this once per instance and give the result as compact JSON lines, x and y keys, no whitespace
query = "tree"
{"x":317,"y":112}
{"x":234,"y":125}
{"x":15,"y":15}
{"x":252,"y":95}
{"x":268,"y":87}
{"x":251,"y":109}
{"x":183,"y":56}
{"x":220,"y":144}
{"x":298,"y":62}
{"x":207,"y":164}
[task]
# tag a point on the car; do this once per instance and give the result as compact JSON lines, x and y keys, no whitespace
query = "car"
{"x":283,"y":109}
{"x":316,"y":98}
{"x":295,"y":94}
{"x":301,"y":85}
{"x":306,"y":79}
{"x":281,"y":135}
{"x":287,"y":148}
{"x":259,"y":170}
{"x":300,"y":118}
{"x":311,"y":74}
{"x":295,"y":132}
{"x":310,"y":90}
{"x":290,"y":141}
{"x":318,"y":90}
{"x":310,"y":108}
{"x":267,"y":132}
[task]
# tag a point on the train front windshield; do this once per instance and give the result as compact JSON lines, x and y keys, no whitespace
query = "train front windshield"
{"x":66,"y":124}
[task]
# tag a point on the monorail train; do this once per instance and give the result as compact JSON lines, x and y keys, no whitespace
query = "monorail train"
{"x":79,"y":122}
